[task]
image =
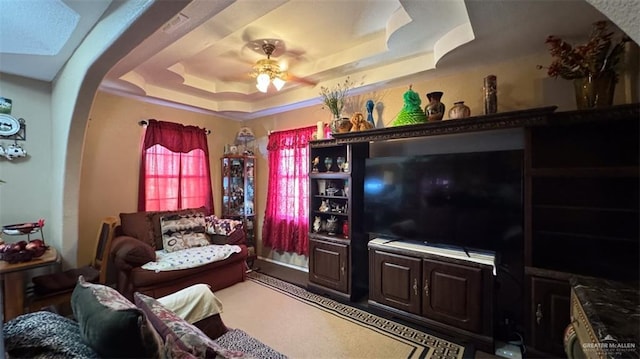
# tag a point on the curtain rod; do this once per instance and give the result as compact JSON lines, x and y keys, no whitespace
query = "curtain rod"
{"x":145,"y":123}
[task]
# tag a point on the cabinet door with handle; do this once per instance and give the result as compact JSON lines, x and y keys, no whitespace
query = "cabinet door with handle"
{"x":453,"y":294}
{"x":329,"y":264}
{"x":396,"y":280}
{"x":548,"y":314}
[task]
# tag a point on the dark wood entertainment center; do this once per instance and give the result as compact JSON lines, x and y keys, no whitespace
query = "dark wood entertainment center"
{"x":581,"y":216}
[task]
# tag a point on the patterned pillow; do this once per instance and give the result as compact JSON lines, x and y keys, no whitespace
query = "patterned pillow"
{"x":181,"y":231}
{"x":172,"y":349}
{"x":154,"y":219}
{"x":187,"y":336}
{"x":220,"y":226}
{"x":30,"y":335}
{"x":106,"y":317}
{"x":210,"y":223}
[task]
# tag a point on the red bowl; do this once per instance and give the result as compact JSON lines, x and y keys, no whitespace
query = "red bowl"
{"x":38,"y":252}
{"x":17,"y":257}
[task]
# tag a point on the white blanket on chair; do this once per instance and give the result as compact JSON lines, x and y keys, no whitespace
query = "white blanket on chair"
{"x":193,"y":303}
{"x":191,"y":257}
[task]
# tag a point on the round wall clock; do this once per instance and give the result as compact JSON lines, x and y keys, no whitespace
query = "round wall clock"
{"x":9,"y":125}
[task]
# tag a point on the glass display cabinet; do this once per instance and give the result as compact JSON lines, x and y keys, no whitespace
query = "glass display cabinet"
{"x":238,"y":194}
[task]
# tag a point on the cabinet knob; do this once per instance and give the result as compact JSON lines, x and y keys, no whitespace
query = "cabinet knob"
{"x":426,"y":287}
{"x":539,"y":313}
{"x":415,"y":286}
{"x":342,"y":269}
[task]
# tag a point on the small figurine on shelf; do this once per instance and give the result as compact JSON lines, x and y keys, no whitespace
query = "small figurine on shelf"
{"x":317,"y":224}
{"x":324,"y":206}
{"x":315,"y":163}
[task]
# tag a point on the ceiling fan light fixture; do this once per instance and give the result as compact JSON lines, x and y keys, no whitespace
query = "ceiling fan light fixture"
{"x":262,"y":82}
{"x":278,"y":83}
{"x":263,"y":79}
{"x":267,"y":70}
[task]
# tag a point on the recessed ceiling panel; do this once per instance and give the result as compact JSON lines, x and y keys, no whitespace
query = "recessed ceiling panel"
{"x":37,"y":27}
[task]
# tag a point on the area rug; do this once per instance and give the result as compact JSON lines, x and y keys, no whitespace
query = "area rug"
{"x":301,"y":324}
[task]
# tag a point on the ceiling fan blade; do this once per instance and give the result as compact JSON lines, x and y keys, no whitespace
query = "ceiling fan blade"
{"x":253,"y":33}
{"x":234,"y":55}
{"x":301,"y":80}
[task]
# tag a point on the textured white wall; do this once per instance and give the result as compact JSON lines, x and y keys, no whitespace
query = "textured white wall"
{"x":624,"y":13}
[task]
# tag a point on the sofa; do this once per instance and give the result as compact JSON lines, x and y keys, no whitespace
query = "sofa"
{"x":139,"y":239}
{"x":107,"y":325}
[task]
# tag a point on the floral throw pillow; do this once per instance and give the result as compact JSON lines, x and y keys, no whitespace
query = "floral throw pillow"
{"x":182,"y":231}
{"x":222,"y":226}
{"x":185,"y":336}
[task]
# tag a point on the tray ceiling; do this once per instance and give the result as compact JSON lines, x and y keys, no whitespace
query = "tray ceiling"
{"x":203,"y":56}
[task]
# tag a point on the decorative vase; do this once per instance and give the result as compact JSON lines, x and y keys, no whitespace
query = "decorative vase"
{"x":435,"y":109}
{"x":595,"y":92}
{"x":332,"y":225}
{"x":490,"y":94}
{"x":345,"y":229}
{"x":459,"y":110}
{"x":340,"y":124}
{"x":370,"y":119}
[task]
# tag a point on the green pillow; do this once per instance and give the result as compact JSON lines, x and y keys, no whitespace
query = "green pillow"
{"x":111,"y":324}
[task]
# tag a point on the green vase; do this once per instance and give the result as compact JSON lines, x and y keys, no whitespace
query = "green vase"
{"x":595,"y":91}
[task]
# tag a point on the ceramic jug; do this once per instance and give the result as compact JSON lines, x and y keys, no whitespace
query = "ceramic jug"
{"x":459,"y":110}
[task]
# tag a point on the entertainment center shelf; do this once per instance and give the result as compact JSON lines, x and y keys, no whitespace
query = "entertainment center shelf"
{"x":581,"y":216}
{"x":337,"y":244}
{"x":498,"y":121}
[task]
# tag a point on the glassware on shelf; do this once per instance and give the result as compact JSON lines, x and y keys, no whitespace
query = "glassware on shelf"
{"x":340,"y":163}
{"x":328,"y":162}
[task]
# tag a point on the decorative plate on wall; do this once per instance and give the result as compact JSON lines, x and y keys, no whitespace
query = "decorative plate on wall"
{"x":9,"y":125}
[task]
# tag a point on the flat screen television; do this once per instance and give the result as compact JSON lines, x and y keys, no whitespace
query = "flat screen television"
{"x":468,"y":200}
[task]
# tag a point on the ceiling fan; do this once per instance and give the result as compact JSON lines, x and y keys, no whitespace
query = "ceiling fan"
{"x":269,"y":71}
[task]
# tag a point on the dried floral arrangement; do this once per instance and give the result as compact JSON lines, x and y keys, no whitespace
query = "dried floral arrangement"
{"x":598,"y":56}
{"x":334,"y":98}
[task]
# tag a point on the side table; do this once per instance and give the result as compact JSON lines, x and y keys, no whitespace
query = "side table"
{"x":12,"y":280}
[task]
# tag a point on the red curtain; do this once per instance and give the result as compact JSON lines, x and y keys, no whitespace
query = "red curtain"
{"x":174,"y":171}
{"x":286,"y":222}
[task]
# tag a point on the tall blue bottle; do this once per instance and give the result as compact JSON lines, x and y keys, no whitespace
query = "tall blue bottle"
{"x":370,"y":105}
